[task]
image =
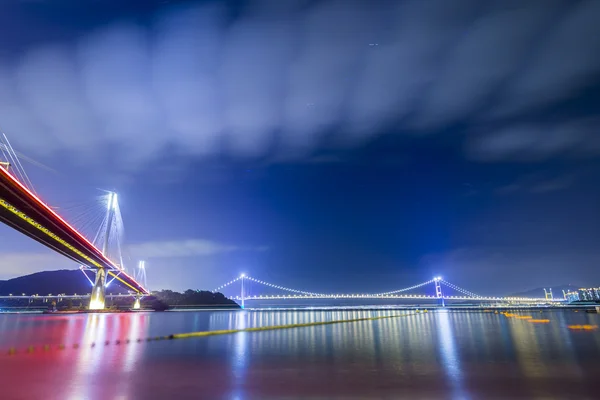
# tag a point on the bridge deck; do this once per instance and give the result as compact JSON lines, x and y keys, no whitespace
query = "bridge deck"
{"x":25,"y":212}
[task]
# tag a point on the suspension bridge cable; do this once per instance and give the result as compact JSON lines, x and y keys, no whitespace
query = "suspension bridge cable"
{"x":283,"y":288}
{"x":227,"y":284}
{"x":459,"y":289}
{"x":405,"y":289}
{"x":306,"y":293}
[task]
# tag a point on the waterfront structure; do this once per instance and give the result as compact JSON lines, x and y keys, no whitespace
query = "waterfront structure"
{"x":24,"y":211}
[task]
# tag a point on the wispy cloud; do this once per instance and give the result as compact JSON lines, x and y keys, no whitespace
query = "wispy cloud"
{"x":185,"y":248}
{"x":277,"y":78}
{"x":553,"y":185}
{"x":538,"y":184}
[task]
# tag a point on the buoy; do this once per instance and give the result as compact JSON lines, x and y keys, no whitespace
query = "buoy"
{"x":583,"y":327}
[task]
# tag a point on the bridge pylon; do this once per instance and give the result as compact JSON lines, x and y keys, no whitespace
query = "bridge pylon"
{"x":438,"y":290}
{"x":98,"y":298}
{"x":242,"y":277}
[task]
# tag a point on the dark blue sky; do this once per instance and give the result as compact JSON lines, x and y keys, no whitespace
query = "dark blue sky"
{"x":318,"y":144}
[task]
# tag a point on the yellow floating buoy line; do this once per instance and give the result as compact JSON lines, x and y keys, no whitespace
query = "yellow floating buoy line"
{"x":583,"y":327}
{"x":528,"y":318}
{"x":46,"y":348}
{"x":275,"y":327}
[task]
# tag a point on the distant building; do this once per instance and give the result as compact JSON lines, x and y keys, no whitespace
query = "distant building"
{"x":591,"y":294}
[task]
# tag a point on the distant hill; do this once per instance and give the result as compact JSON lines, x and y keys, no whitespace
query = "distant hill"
{"x":539,"y":292}
{"x":55,"y":282}
{"x":73,"y":281}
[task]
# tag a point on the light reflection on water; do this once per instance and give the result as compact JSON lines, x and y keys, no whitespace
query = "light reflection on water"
{"x":428,"y":355}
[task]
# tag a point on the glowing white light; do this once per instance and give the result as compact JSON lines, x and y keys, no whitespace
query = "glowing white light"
{"x":96,"y":304}
{"x":111,"y":203}
{"x":242,"y":275}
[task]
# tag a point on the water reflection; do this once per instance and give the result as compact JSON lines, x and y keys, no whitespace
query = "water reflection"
{"x":431,"y":355}
{"x":449,"y":355}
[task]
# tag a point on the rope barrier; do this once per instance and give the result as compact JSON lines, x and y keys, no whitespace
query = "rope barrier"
{"x":46,"y":348}
{"x":276,"y":327}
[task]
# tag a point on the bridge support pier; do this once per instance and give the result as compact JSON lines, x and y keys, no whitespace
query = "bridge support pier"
{"x":137,"y":303}
{"x":98,"y":298}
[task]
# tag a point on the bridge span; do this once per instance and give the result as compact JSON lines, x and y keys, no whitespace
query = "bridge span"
{"x":26,"y":213}
{"x":438,"y":288}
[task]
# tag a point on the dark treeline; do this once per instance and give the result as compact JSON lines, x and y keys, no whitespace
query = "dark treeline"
{"x":159,"y":301}
{"x":73,"y":282}
{"x":192,"y":298}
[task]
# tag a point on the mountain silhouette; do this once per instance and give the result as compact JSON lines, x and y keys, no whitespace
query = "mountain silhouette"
{"x":53,"y":282}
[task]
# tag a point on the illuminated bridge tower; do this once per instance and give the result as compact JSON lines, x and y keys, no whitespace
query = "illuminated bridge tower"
{"x":98,"y":297}
{"x":438,"y":290}
{"x":140,"y":276}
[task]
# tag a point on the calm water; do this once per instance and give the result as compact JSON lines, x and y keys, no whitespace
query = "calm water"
{"x":454,"y":355}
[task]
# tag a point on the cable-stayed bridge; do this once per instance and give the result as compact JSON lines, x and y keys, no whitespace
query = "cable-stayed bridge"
{"x":246,"y":288}
{"x":24,"y":211}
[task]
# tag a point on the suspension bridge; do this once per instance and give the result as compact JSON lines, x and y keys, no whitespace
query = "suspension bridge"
{"x":434,"y":290}
{"x":23,"y":210}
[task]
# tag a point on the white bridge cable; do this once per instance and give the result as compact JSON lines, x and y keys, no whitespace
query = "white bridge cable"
{"x":306,"y":293}
{"x":18,"y":164}
{"x":227,"y":284}
{"x":405,"y":289}
{"x":459,"y":289}
{"x":284,"y":288}
{"x":4,"y":154}
{"x":12,"y":158}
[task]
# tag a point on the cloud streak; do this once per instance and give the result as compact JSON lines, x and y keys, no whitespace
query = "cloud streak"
{"x":278,"y":78}
{"x":185,"y":248}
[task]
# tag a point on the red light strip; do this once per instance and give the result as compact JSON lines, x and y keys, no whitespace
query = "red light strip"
{"x":99,"y":253}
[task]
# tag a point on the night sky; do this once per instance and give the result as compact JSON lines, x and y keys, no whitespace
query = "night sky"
{"x":322,"y":145}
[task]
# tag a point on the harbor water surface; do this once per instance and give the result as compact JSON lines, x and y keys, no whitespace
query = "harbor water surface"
{"x":434,"y":355}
